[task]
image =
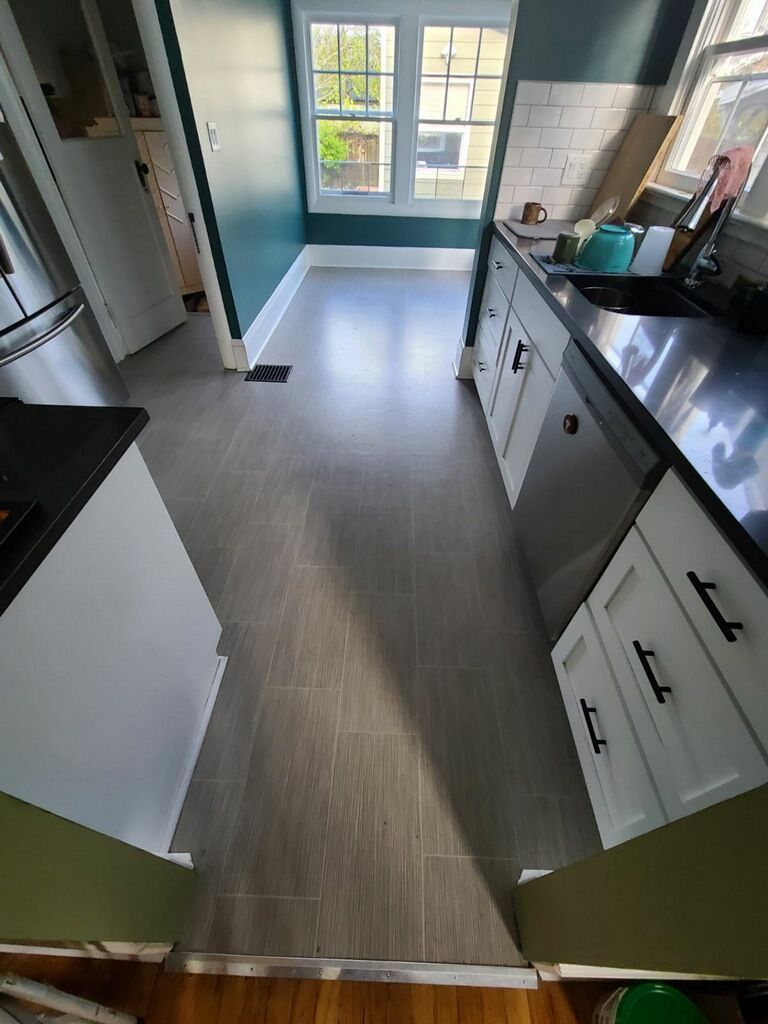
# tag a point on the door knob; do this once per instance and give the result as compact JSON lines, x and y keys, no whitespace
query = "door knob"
{"x":570,"y":423}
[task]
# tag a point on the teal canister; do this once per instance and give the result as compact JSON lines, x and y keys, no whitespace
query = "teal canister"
{"x":608,"y":250}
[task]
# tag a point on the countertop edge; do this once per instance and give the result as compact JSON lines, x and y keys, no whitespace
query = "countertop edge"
{"x":756,"y":559}
{"x":12,"y":585}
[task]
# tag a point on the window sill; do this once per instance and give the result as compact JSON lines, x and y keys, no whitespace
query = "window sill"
{"x":381,"y":206}
{"x":746,"y":229}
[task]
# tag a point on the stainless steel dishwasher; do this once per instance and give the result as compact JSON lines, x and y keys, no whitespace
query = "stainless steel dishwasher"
{"x":590,"y":472}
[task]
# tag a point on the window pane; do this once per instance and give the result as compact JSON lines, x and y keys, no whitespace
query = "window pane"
{"x":353,"y":93}
{"x":451,"y":162}
{"x":466,"y":42}
{"x":751,"y":118}
{"x":380,"y":93}
{"x":435,"y":45}
{"x":355,"y":156}
{"x":486,"y":99}
{"x":381,"y":48}
{"x":325,"y":49}
{"x":327,"y":92}
{"x":493,"y":47}
{"x":432,"y":99}
{"x":752,"y":20}
{"x":352,"y":39}
{"x":459,"y":99}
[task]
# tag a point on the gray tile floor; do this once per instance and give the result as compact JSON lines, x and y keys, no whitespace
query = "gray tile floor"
{"x":389,"y":747}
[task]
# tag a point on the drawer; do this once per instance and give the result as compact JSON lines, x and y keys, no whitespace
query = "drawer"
{"x":483,"y":367}
{"x":715,"y":588}
{"x":543,"y":327}
{"x":693,"y":736}
{"x":502,"y":266}
{"x":623,"y":797}
{"x":493,"y":311}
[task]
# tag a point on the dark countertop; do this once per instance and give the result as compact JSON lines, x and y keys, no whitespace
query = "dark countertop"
{"x":695,"y":386}
{"x":58,"y":454}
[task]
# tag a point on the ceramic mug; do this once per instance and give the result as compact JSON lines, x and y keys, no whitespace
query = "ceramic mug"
{"x":532,"y":213}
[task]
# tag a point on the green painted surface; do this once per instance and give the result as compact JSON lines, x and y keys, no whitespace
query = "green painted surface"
{"x":690,"y":897}
{"x":63,"y":882}
{"x":232,"y":63}
{"x":433,"y":232}
{"x":632,"y":41}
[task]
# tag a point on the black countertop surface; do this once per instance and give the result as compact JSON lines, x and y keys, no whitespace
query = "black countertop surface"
{"x":697,"y":388}
{"x":57,"y":455}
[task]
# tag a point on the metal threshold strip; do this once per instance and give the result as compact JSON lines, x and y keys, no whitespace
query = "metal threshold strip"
{"x":321,"y":969}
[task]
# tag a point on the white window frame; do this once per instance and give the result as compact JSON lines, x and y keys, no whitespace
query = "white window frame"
{"x":409,"y":17}
{"x":686,"y":93}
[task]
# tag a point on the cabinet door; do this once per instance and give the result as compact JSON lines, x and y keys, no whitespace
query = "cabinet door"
{"x":623,"y":797}
{"x":173,"y":206}
{"x":493,"y":311}
{"x":697,"y":744}
{"x":502,"y":266}
{"x":507,"y":390}
{"x":725,"y":602}
{"x":542,"y":325}
{"x":483,"y":367}
{"x":535,"y":390}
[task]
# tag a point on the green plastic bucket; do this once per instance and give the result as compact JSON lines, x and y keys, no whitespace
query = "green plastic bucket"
{"x":648,"y":1003}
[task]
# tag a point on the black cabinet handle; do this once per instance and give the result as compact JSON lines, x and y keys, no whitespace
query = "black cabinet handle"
{"x":642,"y":657}
{"x":587,"y":711}
{"x":702,"y":588}
{"x":491,"y":312}
{"x":519,"y":351}
{"x":481,"y":366}
{"x":498,"y":264}
{"x":142,"y":171}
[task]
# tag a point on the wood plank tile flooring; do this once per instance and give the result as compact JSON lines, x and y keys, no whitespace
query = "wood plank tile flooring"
{"x":389,"y":747}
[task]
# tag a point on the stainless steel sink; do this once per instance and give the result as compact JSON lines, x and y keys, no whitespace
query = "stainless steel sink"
{"x":639,"y":296}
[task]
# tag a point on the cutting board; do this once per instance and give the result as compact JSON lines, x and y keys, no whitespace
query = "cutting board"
{"x":549,"y":229}
{"x":643,"y":148}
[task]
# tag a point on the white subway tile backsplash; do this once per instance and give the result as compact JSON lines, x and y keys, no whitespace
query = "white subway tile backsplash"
{"x":599,"y":159}
{"x":586,"y":138}
{"x":516,"y":176}
{"x":556,"y":138}
{"x":636,"y":96}
{"x":536,"y":157}
{"x":558,"y":158}
{"x":612,"y":140}
{"x":533,"y":92}
{"x":506,"y":195}
{"x":520,"y":113}
{"x":558,"y":195}
{"x":512,"y":156}
{"x":596,"y":178}
{"x":565,"y":211}
{"x":608,"y":117}
{"x":584,"y":197}
{"x":544,"y":116}
{"x":598,"y":94}
{"x":566,"y":93}
{"x":576,"y":117}
{"x":546,"y":176}
{"x":528,"y":194}
{"x":524,"y":137}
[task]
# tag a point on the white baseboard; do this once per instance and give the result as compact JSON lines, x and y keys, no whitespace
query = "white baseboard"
{"x":248,"y":348}
{"x":462,"y":361}
{"x":146,"y":952}
{"x":189,"y":768}
{"x":389,"y":257}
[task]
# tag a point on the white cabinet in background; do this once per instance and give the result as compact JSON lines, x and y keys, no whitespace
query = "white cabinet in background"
{"x":623,"y":797}
{"x":694,"y":737}
{"x":725,"y":602}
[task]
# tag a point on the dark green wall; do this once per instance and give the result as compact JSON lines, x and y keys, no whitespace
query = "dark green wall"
{"x":690,"y":897}
{"x":633,"y":41}
{"x":233,"y":63}
{"x":340,"y":229}
{"x":66,"y":883}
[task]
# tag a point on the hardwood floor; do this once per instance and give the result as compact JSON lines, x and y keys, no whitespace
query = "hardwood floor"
{"x":160,"y":998}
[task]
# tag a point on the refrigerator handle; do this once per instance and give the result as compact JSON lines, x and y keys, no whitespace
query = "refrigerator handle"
{"x":6,"y":263}
{"x":48,"y":335}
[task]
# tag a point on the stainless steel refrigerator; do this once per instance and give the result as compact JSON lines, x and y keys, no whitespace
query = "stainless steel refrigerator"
{"x":52,"y":350}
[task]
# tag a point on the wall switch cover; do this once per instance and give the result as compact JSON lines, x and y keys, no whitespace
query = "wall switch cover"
{"x":213,"y":136}
{"x":577,"y":170}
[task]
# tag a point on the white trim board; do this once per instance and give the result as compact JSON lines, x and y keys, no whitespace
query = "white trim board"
{"x":146,"y":952}
{"x":248,"y":349}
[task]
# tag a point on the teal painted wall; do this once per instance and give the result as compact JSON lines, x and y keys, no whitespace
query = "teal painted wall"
{"x":232,"y":62}
{"x":340,"y":229}
{"x":632,"y":41}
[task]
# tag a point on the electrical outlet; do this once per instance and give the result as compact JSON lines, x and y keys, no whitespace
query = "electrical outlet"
{"x":577,"y":170}
{"x":213,"y":136}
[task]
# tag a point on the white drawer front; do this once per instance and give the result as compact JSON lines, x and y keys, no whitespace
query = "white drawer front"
{"x":543,"y":327}
{"x":483,"y":367}
{"x":622,"y":794}
{"x":503,"y":267}
{"x":684,"y":541}
{"x":696,"y":742}
{"x":493,"y":311}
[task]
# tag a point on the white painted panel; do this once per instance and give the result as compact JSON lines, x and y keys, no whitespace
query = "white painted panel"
{"x":484,"y":366}
{"x":620,"y":789}
{"x":543,"y":326}
{"x":503,"y":267}
{"x":697,"y":744}
{"x":684,"y":539}
{"x":108,"y":658}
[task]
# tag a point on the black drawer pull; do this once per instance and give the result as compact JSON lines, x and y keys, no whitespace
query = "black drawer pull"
{"x":498,"y":264}
{"x":702,"y":588}
{"x":642,"y":657}
{"x":491,"y":312}
{"x":519,"y":351}
{"x":586,"y":710}
{"x":481,"y":366}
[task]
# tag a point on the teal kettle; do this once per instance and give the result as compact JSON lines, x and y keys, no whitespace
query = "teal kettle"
{"x":608,"y":250}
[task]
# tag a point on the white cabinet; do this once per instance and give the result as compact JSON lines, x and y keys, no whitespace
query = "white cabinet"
{"x":541,"y":324}
{"x":503,"y":267}
{"x":483,"y":366}
{"x":508,"y":382}
{"x":694,"y":737}
{"x":725,"y":602}
{"x":623,"y":796}
{"x":493,"y":312}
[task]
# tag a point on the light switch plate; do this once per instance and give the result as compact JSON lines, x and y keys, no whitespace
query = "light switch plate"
{"x":577,"y":170}
{"x":213,"y":136}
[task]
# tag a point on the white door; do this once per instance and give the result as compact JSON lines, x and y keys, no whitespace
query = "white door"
{"x":694,"y":738}
{"x":59,"y":56}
